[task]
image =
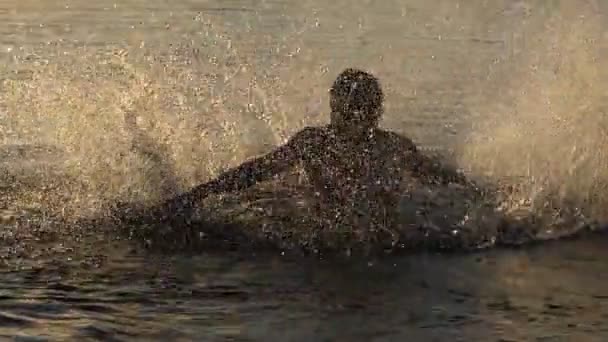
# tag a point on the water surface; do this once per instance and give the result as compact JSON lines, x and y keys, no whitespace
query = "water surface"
{"x":210,"y":83}
{"x":555,"y":292}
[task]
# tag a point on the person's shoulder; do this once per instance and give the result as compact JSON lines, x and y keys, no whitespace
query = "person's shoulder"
{"x":307,"y":140}
{"x":310,"y":133}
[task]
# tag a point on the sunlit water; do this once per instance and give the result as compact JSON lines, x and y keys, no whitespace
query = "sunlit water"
{"x":134,"y":100}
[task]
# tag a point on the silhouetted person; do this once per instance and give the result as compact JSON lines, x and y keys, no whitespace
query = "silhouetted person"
{"x":355,"y":167}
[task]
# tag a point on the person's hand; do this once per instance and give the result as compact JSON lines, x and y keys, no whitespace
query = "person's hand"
{"x":125,"y":212}
{"x":131,"y":212}
{"x":175,"y":210}
{"x":168,"y":212}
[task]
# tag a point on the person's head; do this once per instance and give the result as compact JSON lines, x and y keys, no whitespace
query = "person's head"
{"x":356,"y":100}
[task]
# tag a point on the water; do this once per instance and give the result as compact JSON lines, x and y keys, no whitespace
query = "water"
{"x":135,"y":100}
{"x":555,"y":292}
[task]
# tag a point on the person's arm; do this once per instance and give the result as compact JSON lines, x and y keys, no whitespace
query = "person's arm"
{"x":250,"y":172}
{"x":433,"y":170}
{"x":429,"y":169}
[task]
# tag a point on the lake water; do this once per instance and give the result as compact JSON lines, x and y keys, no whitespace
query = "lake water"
{"x":135,"y":100}
{"x":555,"y":292}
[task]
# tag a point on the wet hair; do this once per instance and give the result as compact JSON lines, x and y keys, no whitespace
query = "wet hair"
{"x":356,"y":97}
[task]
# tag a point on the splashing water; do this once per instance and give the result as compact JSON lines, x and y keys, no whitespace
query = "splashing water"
{"x":143,"y":119}
{"x":543,"y":134}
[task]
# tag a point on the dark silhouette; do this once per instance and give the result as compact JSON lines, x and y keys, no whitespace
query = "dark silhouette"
{"x":350,"y":162}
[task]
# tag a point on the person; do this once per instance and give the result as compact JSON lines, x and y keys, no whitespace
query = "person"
{"x":355,"y":167}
